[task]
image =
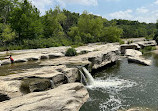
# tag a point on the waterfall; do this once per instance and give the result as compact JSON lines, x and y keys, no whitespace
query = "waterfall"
{"x":88,"y":75}
{"x":83,"y":78}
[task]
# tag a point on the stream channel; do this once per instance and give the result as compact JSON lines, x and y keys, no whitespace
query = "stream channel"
{"x":123,"y":86}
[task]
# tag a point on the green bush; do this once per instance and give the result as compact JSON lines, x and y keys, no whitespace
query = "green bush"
{"x":71,"y":52}
{"x":121,"y":42}
{"x":147,"y":49}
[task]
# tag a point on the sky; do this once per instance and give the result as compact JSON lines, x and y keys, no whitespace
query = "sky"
{"x":141,"y":10}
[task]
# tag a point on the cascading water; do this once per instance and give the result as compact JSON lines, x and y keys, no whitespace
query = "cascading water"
{"x":83,"y":78}
{"x":112,"y":85}
{"x":89,"y":76}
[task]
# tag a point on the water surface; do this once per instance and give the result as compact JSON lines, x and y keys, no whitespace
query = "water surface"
{"x":123,"y":86}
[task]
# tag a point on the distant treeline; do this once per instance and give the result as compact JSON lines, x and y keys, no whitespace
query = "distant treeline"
{"x":22,"y":27}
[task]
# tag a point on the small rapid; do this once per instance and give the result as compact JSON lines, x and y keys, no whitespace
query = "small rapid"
{"x":112,"y":86}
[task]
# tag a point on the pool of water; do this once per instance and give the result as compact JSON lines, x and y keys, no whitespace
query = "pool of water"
{"x":124,"y":85}
{"x":18,"y":67}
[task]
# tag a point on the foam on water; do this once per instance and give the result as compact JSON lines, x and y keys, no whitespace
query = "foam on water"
{"x":112,"y":86}
{"x":111,"y":82}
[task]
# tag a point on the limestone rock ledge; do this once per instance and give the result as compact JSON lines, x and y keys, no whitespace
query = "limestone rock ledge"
{"x":67,"y":97}
{"x":136,"y":57}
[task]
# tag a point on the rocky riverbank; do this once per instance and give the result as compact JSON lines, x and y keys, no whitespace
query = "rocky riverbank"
{"x":57,"y":76}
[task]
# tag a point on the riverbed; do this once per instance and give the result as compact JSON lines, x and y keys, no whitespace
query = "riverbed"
{"x":123,"y":86}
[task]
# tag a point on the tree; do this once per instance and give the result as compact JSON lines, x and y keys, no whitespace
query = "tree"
{"x":53,"y":21}
{"x":111,"y":34}
{"x":7,"y":34}
{"x":25,"y":20}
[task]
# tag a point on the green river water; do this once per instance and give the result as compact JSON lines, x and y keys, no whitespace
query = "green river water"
{"x":125,"y":85}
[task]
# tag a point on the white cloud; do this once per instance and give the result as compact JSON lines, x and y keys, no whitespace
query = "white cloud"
{"x":142,"y":10}
{"x":42,"y":4}
{"x":127,"y":14}
{"x":156,"y":2}
{"x":81,"y":2}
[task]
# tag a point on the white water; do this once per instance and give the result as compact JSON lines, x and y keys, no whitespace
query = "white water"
{"x":108,"y":83}
{"x":112,"y":85}
{"x":88,"y":75}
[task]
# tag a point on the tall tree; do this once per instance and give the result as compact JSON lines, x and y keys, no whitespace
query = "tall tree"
{"x":26,"y":21}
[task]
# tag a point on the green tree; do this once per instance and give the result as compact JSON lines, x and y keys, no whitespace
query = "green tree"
{"x":53,"y":21}
{"x":6,"y":35}
{"x":111,"y":34}
{"x":25,"y":20}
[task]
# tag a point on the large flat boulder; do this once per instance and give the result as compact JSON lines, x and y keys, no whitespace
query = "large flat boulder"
{"x":133,"y":53}
{"x":140,"y":60}
{"x":68,"y":97}
{"x":143,"y":44}
{"x":129,"y":46}
{"x":38,"y":79}
{"x":99,"y":57}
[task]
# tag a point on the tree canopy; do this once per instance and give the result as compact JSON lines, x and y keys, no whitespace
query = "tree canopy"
{"x":22,"y":26}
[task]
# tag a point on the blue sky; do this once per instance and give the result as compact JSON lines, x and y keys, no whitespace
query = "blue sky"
{"x":141,"y":10}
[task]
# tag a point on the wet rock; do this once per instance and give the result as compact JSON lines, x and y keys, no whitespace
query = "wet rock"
{"x":68,"y":97}
{"x":140,"y":60}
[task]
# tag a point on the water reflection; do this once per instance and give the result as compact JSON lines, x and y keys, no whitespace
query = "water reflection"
{"x":17,"y":68}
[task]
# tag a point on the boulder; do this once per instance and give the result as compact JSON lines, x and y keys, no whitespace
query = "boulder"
{"x":129,"y":46}
{"x":55,"y":55}
{"x":68,"y":97}
{"x":44,"y":57}
{"x":10,"y":88}
{"x":37,"y":79}
{"x":20,"y":60}
{"x":5,"y":62}
{"x":33,"y":58}
{"x":143,"y":44}
{"x":140,"y":60}
{"x":35,"y":85}
{"x":133,"y":53}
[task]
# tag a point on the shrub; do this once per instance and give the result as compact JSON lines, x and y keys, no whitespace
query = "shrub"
{"x":147,"y":49}
{"x":121,"y":42}
{"x":71,"y":52}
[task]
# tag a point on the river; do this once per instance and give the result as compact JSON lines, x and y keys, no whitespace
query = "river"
{"x":124,"y":85}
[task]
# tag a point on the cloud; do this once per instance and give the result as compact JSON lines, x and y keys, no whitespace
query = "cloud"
{"x":156,"y":2}
{"x":42,"y":5}
{"x":127,"y":14}
{"x":142,"y":10}
{"x":80,"y":2}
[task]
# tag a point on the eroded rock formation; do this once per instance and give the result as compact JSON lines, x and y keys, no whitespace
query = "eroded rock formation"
{"x":68,"y":97}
